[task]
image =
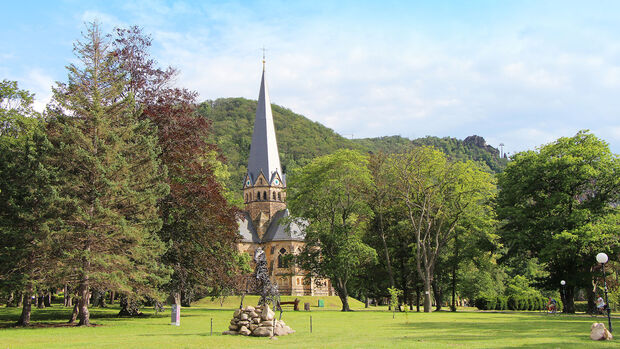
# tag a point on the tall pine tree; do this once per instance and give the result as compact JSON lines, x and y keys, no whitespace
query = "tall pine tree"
{"x":111,"y":178}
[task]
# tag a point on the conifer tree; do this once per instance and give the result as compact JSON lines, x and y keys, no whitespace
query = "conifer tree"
{"x":111,"y":178}
{"x":27,"y":197}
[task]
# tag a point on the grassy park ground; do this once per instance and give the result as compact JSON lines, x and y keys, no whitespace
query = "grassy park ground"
{"x":373,"y":328}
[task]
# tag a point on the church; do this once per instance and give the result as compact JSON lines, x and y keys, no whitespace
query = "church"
{"x":264,"y":221}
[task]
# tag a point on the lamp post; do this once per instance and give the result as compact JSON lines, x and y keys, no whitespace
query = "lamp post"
{"x":602,"y":259}
{"x":563,"y":283}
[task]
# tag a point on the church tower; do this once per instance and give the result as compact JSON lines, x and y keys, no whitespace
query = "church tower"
{"x":264,"y":186}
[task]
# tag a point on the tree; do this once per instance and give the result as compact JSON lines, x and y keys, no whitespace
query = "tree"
{"x":199,"y":224}
{"x":552,"y":201}
{"x":330,"y":194}
{"x":27,"y":197}
{"x":438,"y":194}
{"x":111,"y":178}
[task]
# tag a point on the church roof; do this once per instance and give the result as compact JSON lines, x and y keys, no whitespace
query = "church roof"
{"x":282,"y":230}
{"x":246,"y":229}
{"x":264,"y":149}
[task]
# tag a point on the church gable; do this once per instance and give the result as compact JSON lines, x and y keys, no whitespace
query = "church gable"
{"x":247,"y":182}
{"x":261,"y":180}
{"x":276,"y":181}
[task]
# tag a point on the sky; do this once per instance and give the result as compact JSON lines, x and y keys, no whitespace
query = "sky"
{"x":518,"y":73}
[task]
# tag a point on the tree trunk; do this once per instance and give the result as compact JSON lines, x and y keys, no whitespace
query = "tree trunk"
{"x":343,"y":294}
{"x":112,"y":297}
{"x":24,"y":318}
{"x":438,"y":294}
{"x":569,"y":303}
{"x":386,"y":251}
{"x":47,"y":299}
{"x":20,"y":299}
{"x":83,"y":302}
{"x":65,"y":292}
{"x":417,"y":292}
{"x":455,"y":265}
{"x":427,"y":291}
{"x":9,"y":301}
{"x":74,"y":313}
{"x":591,"y":300}
{"x":40,"y":301}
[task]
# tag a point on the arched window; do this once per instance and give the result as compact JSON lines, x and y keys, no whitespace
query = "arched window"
{"x":281,"y":262}
{"x":265,"y":196}
{"x":246,"y":197}
{"x":279,"y":197}
{"x":273,"y":196}
{"x":258,"y":195}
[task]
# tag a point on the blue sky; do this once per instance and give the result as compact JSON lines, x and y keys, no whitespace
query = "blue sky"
{"x":520,"y":73}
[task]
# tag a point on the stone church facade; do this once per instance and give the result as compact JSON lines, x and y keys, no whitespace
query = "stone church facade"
{"x":264,"y":222}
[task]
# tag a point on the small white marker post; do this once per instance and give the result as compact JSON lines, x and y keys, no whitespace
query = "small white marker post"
{"x":175,"y":316}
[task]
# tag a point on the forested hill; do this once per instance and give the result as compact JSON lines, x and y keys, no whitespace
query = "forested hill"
{"x":471,"y":148}
{"x":300,"y":139}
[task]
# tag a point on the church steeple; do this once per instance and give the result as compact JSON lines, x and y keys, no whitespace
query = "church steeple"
{"x":264,"y":155}
{"x":264,"y":189}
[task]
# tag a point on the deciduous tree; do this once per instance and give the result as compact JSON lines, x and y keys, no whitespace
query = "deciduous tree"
{"x":554,"y":202}
{"x":331,"y":194}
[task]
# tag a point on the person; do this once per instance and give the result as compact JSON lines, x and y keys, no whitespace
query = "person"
{"x":600,"y":305}
{"x":552,"y":305}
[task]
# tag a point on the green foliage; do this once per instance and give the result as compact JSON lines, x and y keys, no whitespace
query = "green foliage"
{"x":330,"y":196}
{"x":111,"y":178}
{"x":394,"y":294}
{"x":27,"y":199}
{"x":559,"y":204}
{"x":300,"y":140}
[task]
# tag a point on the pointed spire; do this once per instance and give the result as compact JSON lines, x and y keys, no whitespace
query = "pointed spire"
{"x":264,"y":149}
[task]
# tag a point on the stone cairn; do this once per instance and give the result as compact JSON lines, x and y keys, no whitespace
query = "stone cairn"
{"x":260,"y":321}
{"x":257,"y":322}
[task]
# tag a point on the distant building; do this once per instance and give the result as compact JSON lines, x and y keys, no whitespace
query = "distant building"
{"x":263,"y":222}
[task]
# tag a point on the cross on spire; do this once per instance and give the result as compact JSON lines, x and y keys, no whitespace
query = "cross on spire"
{"x":264,"y":57}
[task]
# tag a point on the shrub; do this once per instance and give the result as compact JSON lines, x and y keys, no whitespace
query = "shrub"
{"x":485,"y":302}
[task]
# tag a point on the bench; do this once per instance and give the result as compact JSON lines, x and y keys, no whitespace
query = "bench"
{"x":294,"y":303}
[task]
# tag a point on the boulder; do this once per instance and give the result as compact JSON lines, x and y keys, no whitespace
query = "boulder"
{"x":253,"y":327}
{"x":243,"y":316}
{"x":256,"y":320}
{"x":231,"y":333}
{"x":266,"y":323}
{"x":243,"y":323}
{"x":267,"y":313}
{"x":249,"y":308}
{"x":244,"y":331}
{"x":262,"y":332}
{"x":233,"y":327}
{"x":252,"y":314}
{"x":237,"y":312}
{"x":598,"y":332}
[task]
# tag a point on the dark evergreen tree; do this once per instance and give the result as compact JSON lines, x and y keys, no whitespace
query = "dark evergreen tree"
{"x":27,"y":197}
{"x":111,"y":178}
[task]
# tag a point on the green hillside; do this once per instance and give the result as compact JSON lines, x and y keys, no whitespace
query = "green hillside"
{"x":300,"y":140}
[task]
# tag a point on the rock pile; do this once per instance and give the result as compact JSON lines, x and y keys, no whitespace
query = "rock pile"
{"x":257,"y":322}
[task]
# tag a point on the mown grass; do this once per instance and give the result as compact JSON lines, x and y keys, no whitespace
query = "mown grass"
{"x":331,"y":329}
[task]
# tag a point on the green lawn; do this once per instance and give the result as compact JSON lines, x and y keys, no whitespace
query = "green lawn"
{"x":359,"y":329}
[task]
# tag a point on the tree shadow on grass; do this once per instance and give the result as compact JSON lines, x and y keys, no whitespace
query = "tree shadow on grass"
{"x":502,"y":333}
